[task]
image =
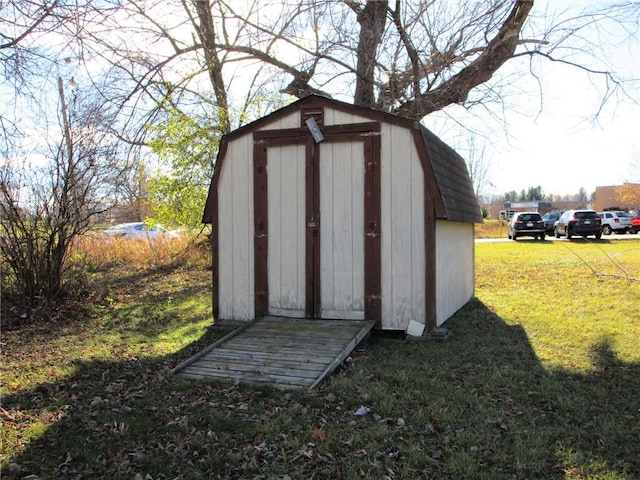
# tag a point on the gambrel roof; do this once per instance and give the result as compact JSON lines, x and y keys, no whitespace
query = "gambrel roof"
{"x":452,"y":187}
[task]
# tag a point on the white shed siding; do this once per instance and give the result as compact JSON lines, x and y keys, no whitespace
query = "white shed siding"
{"x":337,"y":117}
{"x":235,"y":232}
{"x":286,"y":257}
{"x":403,"y":256}
{"x":289,"y":121}
{"x":455,"y":264}
{"x":236,"y":226}
{"x":331,"y":117}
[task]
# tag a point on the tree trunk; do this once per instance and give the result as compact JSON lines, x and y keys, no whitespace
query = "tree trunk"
{"x":207,"y":34}
{"x":372,"y":19}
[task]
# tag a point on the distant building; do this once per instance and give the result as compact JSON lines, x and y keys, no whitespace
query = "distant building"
{"x":507,"y":209}
{"x":624,"y":197}
{"x":533,"y":206}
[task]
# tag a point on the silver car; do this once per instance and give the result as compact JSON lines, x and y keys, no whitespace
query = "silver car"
{"x":128,"y":231}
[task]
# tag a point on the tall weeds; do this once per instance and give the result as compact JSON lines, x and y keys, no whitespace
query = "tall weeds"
{"x":94,"y":262}
{"x":99,"y":253}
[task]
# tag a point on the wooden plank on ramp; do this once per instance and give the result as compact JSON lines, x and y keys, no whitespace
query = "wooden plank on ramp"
{"x":283,"y":352}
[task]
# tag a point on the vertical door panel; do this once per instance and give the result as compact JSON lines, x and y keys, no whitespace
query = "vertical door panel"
{"x":342,"y":230}
{"x":286,"y":220}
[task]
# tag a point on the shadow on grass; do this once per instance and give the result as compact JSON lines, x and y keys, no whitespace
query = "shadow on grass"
{"x":602,"y":240}
{"x":478,"y":406}
{"x":549,"y":423}
{"x":550,"y":240}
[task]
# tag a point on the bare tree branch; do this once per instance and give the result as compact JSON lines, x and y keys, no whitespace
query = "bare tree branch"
{"x":41,"y":14}
{"x":455,"y":90}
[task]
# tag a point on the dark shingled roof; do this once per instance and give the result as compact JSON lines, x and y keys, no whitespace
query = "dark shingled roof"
{"x":452,"y":177}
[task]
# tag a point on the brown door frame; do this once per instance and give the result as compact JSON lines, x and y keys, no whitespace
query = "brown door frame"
{"x":369,"y":134}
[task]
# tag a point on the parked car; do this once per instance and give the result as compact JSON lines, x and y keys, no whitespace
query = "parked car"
{"x":578,"y":222}
{"x":128,"y":231}
{"x":550,"y":220}
{"x":615,"y":221}
{"x":526,"y":224}
{"x":635,"y":221}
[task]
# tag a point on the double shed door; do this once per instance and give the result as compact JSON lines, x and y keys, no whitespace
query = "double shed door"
{"x":317,"y":225}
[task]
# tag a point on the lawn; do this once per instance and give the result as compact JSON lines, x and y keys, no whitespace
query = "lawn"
{"x":540,"y":381}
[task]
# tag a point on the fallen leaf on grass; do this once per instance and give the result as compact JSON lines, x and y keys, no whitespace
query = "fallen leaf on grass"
{"x":6,"y":415}
{"x":436,"y":454}
{"x":318,"y":434}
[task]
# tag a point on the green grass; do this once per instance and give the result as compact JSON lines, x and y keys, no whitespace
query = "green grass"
{"x":540,"y":381}
{"x":576,"y":296}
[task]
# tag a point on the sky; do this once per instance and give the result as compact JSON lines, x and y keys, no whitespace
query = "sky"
{"x":563,"y":155}
{"x":565,"y":148}
{"x":560,"y":146}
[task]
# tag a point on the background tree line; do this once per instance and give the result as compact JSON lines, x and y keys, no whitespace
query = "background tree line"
{"x":537,"y":193}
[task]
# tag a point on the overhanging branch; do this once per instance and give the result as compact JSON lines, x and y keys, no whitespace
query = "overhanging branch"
{"x":455,"y":90}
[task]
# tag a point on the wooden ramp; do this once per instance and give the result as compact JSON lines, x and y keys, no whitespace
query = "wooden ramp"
{"x":283,"y":352}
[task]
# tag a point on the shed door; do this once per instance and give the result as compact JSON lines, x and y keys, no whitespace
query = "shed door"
{"x":317,"y":221}
{"x":342,"y":230}
{"x":286,"y":219}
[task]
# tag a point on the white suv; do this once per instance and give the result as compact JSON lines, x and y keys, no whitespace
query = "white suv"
{"x":615,"y":221}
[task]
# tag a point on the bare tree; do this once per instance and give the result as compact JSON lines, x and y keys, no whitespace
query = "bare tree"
{"x":35,"y":35}
{"x":42,"y":210}
{"x":20,"y":21}
{"x":478,"y":162}
{"x":223,"y":63}
{"x":221,"y":57}
{"x":411,"y":58}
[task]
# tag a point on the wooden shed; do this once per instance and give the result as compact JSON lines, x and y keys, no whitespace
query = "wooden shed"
{"x":328,"y":210}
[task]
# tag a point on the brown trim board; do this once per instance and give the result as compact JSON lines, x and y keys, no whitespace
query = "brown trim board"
{"x":433,"y":208}
{"x":313,"y":230}
{"x":211,"y":215}
{"x":372,"y":226}
{"x":261,"y":229}
{"x":430,"y":184}
{"x":430,"y":301}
